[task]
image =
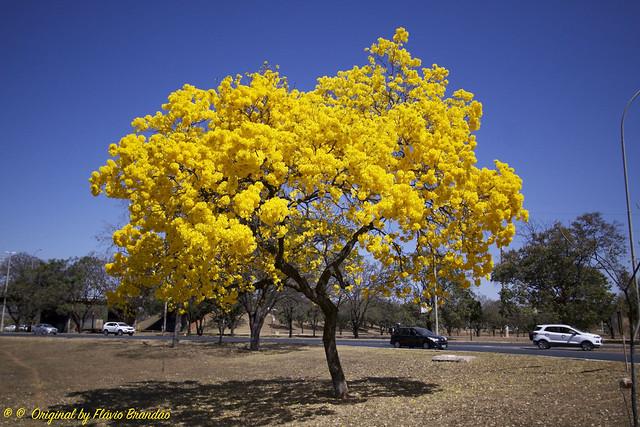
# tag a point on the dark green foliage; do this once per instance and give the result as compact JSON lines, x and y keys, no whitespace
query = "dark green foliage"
{"x":87,"y":284}
{"x":557,"y":275}
{"x":460,"y":309}
{"x":34,"y":286}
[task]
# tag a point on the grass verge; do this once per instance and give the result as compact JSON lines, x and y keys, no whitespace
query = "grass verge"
{"x":208,"y":384}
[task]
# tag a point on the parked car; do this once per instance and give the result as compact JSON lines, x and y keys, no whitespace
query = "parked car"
{"x":417,"y":337}
{"x":44,"y":329}
{"x":117,"y":328}
{"x":546,"y":336}
{"x":12,"y":328}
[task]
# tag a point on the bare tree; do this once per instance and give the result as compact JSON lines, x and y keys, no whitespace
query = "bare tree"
{"x":258,"y":305}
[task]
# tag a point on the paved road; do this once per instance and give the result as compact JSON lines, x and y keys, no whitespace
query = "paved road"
{"x":612,"y":353}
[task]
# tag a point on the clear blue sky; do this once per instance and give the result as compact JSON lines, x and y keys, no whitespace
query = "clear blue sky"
{"x":553,"y":77}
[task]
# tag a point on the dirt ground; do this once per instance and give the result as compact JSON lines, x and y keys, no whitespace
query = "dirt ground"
{"x":208,"y":384}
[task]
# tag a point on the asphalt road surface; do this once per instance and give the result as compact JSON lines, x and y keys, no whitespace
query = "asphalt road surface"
{"x":612,"y":352}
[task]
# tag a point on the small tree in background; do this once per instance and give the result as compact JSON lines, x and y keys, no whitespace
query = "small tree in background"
{"x":557,"y":274}
{"x":258,"y":304}
{"x":287,"y":307}
{"x":224,"y":316}
{"x":87,"y":287}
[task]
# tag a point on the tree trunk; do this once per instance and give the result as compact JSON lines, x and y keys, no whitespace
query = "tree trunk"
{"x":221,"y":328}
{"x":290,"y":328}
{"x":176,"y":329}
{"x":200,"y":327}
{"x":255,"y":324}
{"x":340,"y":387}
{"x":76,"y":324}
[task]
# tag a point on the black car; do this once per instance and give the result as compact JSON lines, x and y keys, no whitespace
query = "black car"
{"x":417,"y":337}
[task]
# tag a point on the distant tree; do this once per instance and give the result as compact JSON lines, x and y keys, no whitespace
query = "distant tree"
{"x":234,"y":317}
{"x":23,"y":294}
{"x":491,"y":316}
{"x":409,"y":313}
{"x":225,"y":316}
{"x":130,"y":308}
{"x":342,"y":321}
{"x":518,"y":315}
{"x":556,"y":273}
{"x":474,"y":310}
{"x":301,"y":314}
{"x":314,"y":314}
{"x":364,"y":283}
{"x":258,"y":304}
{"x":287,"y":306}
{"x":197,"y":313}
{"x":381,"y":314}
{"x":87,"y":286}
{"x":459,"y":308}
{"x":34,"y":286}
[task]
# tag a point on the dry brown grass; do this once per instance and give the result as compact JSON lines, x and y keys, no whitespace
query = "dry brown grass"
{"x":207,"y":384}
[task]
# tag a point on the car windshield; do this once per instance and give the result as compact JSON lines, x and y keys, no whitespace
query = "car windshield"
{"x":425,"y":332}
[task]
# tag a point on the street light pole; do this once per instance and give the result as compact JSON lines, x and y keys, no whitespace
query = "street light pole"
{"x":626,"y":190}
{"x":4,"y":293}
{"x":634,"y":328}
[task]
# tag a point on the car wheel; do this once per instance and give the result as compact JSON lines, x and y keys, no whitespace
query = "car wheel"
{"x":105,"y":332}
{"x":120,"y":332}
{"x":130,"y":334}
{"x":426,"y":344}
{"x":586,"y":346}
{"x":543,"y":345}
{"x":396,"y":344}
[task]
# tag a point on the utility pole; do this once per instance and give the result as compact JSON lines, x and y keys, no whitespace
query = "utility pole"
{"x":4,"y":293}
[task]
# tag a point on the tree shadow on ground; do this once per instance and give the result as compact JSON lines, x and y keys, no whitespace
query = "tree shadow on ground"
{"x":225,"y":349}
{"x":238,"y":403}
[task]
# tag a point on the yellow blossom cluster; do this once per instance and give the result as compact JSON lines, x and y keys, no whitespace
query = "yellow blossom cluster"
{"x":254,"y":173}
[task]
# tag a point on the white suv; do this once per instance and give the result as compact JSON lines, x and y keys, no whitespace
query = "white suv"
{"x":545,"y":336}
{"x":117,"y":328}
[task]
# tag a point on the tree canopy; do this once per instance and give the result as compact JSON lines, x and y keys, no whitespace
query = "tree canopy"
{"x":256,"y":173}
{"x":558,"y":272}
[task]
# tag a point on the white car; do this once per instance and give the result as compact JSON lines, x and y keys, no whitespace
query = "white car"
{"x":545,"y":336}
{"x":117,"y":328}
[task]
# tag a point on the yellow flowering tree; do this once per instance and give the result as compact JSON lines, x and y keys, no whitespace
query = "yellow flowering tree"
{"x":375,"y":160}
